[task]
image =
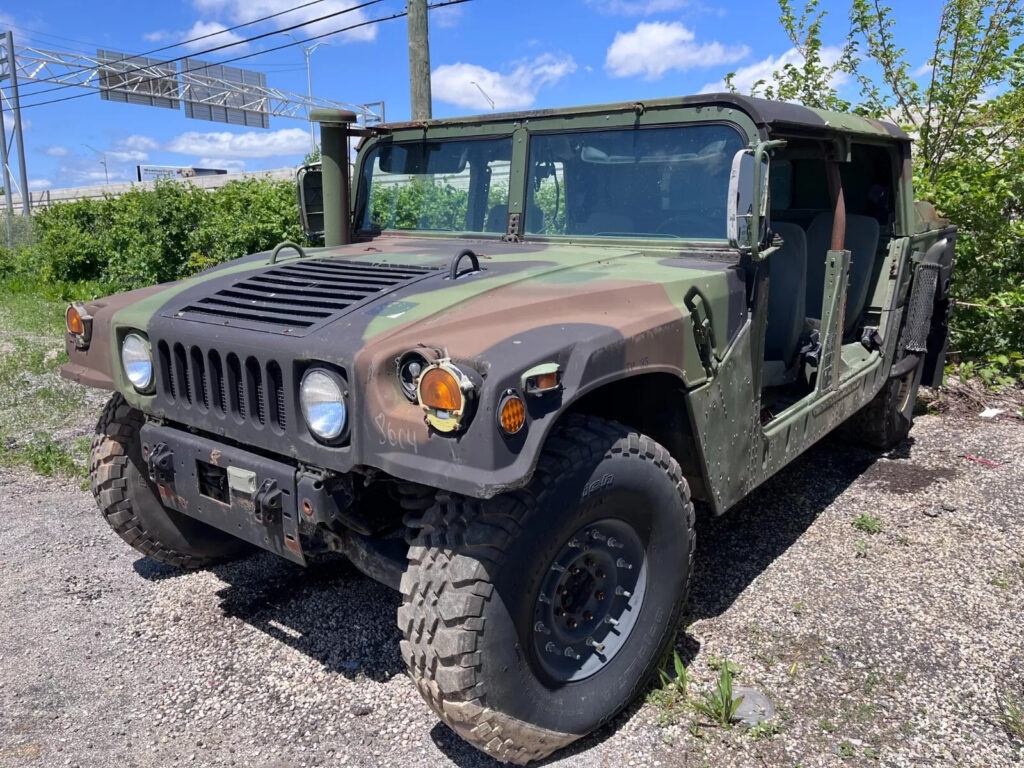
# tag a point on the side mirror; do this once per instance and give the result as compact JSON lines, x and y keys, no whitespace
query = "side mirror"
{"x":747,"y":224}
{"x":309,"y":181}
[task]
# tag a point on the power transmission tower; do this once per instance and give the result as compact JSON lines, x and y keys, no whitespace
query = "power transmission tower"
{"x":207,"y":91}
{"x":11,"y":102}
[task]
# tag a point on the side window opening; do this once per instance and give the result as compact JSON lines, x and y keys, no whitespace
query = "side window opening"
{"x":801,"y":214}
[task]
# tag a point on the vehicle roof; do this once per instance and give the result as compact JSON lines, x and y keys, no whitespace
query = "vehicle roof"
{"x":774,"y":116}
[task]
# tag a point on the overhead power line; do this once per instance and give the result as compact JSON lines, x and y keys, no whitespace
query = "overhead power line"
{"x":225,"y":45}
{"x":350,"y":27}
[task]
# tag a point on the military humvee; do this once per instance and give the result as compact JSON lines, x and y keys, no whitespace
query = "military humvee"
{"x":531,"y":343}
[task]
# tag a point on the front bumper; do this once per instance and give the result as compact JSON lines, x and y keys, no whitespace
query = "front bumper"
{"x":247,"y":495}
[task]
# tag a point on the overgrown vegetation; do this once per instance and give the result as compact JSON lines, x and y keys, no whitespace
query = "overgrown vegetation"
{"x":867,"y":523}
{"x":144,"y":237}
{"x":965,"y":108}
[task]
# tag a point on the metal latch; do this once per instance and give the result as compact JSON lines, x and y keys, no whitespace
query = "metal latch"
{"x":267,"y":503}
{"x":161,"y":464}
{"x":703,"y":331}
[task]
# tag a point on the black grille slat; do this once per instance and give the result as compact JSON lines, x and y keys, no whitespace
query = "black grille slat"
{"x":240,"y":315}
{"x":267,"y":305}
{"x":299,"y":295}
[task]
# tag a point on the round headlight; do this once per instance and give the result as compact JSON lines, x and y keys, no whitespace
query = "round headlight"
{"x":323,"y":404}
{"x":137,"y":361}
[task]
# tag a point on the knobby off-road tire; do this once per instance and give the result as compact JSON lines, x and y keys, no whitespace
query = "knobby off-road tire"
{"x":131,"y":504}
{"x":478,"y":568}
{"x":886,"y":421}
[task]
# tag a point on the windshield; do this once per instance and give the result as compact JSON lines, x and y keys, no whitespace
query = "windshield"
{"x":445,"y":186}
{"x":650,"y":182}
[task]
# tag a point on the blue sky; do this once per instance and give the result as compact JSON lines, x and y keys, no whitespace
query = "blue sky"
{"x":522,"y":53}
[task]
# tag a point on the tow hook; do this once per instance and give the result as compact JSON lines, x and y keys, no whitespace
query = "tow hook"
{"x":161,"y":464}
{"x":267,"y":503}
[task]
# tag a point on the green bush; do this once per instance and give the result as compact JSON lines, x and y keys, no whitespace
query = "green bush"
{"x":153,"y":236}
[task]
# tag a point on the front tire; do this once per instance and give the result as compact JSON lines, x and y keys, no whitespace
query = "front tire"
{"x":510,"y":645}
{"x":131,"y":504}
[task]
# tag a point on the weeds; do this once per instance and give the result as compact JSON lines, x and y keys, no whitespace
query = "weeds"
{"x":764,"y":730}
{"x":718,"y":663}
{"x":1011,"y":714}
{"x":867,"y":523}
{"x":45,"y":456}
{"x":719,"y":705}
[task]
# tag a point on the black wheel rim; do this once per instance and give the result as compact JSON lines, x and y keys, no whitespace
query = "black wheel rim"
{"x":589,"y":599}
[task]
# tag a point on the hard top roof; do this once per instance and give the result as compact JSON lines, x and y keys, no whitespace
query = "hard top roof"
{"x":775,"y":116}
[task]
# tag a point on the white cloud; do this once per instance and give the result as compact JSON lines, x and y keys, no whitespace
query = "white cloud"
{"x":638,"y":7}
{"x":221,"y":163}
{"x":654,"y":48}
{"x":127,"y":156}
{"x":139,"y":142}
{"x":745,"y":78}
{"x":57,"y":151}
{"x":39,"y":183}
{"x":239,"y":11}
{"x":924,"y":69}
{"x":446,"y":17}
{"x":454,"y":83}
{"x":156,"y":36}
{"x":222,"y":144}
{"x":219,"y":36}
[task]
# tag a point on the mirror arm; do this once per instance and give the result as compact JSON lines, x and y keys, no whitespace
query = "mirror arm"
{"x":755,"y":220}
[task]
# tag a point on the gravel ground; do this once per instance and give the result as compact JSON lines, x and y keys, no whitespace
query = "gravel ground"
{"x":887,"y":648}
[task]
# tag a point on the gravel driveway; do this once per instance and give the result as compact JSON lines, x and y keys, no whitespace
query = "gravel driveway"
{"x":885,"y":648}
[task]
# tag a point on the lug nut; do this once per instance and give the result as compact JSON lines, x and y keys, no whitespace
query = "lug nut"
{"x":558,"y":568}
{"x":560,"y":589}
{"x":571,"y":653}
{"x":559,"y":612}
{"x":600,"y":573}
{"x":596,"y":535}
{"x":599,"y":647}
{"x":621,"y":563}
{"x":614,"y":543}
{"x":551,"y":647}
{"x":587,"y":616}
{"x":574,"y":570}
{"x":571,"y":623}
{"x":599,"y":595}
{"x":575,"y":543}
{"x":610,"y":620}
{"x":623,"y":592}
{"x":540,"y":627}
{"x":544,"y":599}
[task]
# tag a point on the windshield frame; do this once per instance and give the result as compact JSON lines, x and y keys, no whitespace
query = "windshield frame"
{"x":362,"y":191}
{"x":623,"y":237}
{"x":660,"y":114}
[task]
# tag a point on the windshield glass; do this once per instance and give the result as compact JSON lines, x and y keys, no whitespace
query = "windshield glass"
{"x":446,"y":186}
{"x":649,"y":182}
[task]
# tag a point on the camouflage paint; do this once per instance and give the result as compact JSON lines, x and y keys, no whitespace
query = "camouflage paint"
{"x":603,"y":310}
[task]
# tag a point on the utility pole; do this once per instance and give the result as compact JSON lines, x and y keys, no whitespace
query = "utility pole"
{"x":419,"y":59}
{"x":11,"y":71}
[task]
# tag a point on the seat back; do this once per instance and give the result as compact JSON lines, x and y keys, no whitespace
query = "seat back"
{"x":862,"y":235}
{"x":787,"y":275}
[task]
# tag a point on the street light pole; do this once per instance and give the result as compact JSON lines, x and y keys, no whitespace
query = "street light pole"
{"x":103,"y":161}
{"x":308,"y":51}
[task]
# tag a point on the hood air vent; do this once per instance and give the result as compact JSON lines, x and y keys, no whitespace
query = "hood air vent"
{"x":300,"y":296}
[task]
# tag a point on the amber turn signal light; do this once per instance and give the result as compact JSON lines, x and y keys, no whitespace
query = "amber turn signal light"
{"x":512,"y":414}
{"x":439,"y":390}
{"x":73,"y":321}
{"x":79,"y":324}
